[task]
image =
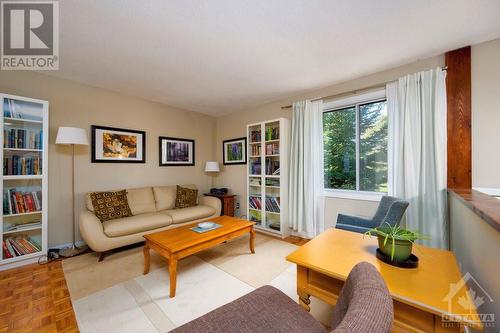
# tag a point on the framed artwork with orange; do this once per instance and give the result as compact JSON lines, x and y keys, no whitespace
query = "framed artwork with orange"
{"x":118,"y":145}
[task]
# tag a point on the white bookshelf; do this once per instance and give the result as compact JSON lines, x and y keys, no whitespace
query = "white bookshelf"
{"x":24,"y":154}
{"x":267,"y":187}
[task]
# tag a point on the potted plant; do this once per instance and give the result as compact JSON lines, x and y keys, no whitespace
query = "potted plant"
{"x":395,"y":242}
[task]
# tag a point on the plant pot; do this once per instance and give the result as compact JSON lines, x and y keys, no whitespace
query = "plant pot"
{"x":402,"y":248}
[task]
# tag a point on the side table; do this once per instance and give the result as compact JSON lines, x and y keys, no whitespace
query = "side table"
{"x":227,"y":202}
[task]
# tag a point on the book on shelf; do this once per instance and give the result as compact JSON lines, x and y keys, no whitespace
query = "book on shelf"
{"x":273,"y":204}
{"x":255,"y":150}
{"x":19,"y":246}
{"x":272,"y":166}
{"x":255,"y":167}
{"x":25,"y":165}
{"x":13,"y":108}
{"x":19,"y":202}
{"x":255,"y":136}
{"x":23,"y":226}
{"x":22,"y":138}
{"x":272,"y":148}
{"x":272,"y":133}
{"x":273,"y":182}
{"x":255,"y":202}
{"x":254,"y":182}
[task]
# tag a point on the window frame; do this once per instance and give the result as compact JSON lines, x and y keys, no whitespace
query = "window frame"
{"x":340,"y":104}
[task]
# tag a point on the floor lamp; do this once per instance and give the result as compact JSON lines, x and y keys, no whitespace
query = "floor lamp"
{"x":72,"y":136}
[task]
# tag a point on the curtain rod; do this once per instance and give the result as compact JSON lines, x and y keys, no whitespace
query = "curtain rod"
{"x":352,"y":92}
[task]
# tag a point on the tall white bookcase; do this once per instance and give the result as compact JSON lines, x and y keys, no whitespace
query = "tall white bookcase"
{"x":267,"y":175}
{"x":24,"y":142}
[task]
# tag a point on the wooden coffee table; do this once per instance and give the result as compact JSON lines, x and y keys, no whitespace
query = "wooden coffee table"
{"x":180,"y":242}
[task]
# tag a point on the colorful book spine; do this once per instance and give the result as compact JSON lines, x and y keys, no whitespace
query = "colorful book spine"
{"x":273,"y":204}
{"x":22,"y":165}
{"x":255,"y":136}
{"x":255,"y":150}
{"x":6,"y":252}
{"x":18,"y":246}
{"x":272,"y":148}
{"x":22,"y":138}
{"x":17,"y":202}
{"x":255,"y":202}
{"x":272,"y":133}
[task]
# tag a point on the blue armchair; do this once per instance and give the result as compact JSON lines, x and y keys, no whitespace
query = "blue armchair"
{"x":390,"y":210}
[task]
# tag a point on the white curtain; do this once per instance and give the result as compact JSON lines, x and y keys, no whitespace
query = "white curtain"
{"x":306,"y":213}
{"x":416,"y":107}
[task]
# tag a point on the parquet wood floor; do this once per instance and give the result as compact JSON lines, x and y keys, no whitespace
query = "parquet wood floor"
{"x":35,"y":298}
{"x":296,"y":240}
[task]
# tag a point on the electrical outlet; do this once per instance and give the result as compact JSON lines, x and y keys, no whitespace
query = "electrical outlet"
{"x":237,"y":205}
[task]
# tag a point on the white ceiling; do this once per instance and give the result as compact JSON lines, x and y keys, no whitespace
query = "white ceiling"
{"x":223,"y":56}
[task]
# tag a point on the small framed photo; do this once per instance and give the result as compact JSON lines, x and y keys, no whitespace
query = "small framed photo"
{"x":235,"y":151}
{"x":176,"y":152}
{"x":118,"y":145}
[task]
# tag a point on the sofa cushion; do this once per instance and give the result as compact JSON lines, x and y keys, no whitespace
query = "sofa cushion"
{"x":185,"y":197}
{"x":137,"y":223}
{"x":165,"y":196}
{"x":191,"y":213}
{"x":110,"y":205}
{"x":141,"y":200}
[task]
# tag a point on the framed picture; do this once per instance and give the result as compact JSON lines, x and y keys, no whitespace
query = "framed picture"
{"x":176,"y":152}
{"x":118,"y":145}
{"x":235,"y":151}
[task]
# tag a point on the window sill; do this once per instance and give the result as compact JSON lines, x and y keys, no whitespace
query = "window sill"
{"x":353,"y":195}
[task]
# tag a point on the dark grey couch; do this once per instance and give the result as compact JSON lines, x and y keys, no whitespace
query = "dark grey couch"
{"x":364,"y":306}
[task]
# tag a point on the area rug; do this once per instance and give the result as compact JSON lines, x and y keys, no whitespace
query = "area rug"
{"x":114,"y":296}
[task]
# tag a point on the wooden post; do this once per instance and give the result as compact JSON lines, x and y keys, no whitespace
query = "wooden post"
{"x":458,"y":91}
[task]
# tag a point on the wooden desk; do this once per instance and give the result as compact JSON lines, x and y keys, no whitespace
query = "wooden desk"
{"x":419,"y":294}
{"x":227,"y":202}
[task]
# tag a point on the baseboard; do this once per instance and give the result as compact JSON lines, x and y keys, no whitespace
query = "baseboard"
{"x":20,"y":263}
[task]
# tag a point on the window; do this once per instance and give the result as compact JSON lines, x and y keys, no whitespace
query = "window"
{"x":355,"y":144}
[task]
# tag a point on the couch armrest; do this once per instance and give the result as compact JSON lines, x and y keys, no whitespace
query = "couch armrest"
{"x":92,"y":231}
{"x":212,"y":202}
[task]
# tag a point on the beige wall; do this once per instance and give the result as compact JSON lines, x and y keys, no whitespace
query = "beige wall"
{"x":486,"y":114}
{"x":477,"y":247}
{"x":77,"y":105}
{"x":234,"y":125}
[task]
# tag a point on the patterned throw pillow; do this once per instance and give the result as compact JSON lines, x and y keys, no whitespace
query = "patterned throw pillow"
{"x":185,"y":197}
{"x":110,"y":205}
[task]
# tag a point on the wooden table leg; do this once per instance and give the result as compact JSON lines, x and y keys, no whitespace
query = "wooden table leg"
{"x":147,"y":258}
{"x":304,"y":301}
{"x":172,"y":271}
{"x":252,"y":240}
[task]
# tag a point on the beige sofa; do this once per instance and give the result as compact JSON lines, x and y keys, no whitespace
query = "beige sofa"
{"x":152,"y":209}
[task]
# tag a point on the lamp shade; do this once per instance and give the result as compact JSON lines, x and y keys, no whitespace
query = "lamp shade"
{"x":71,"y":136}
{"x":212,"y":166}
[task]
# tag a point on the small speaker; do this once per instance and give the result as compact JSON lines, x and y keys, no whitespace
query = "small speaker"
{"x":222,"y":190}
